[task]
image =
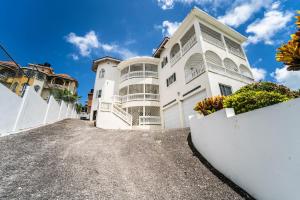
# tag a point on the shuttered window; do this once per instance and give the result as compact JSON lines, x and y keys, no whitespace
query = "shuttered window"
{"x":211,"y":36}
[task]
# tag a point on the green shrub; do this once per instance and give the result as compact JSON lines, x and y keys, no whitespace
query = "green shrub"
{"x":269,"y":87}
{"x":210,"y":105}
{"x":250,"y":100}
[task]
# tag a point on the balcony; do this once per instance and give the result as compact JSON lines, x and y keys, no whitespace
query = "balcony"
{"x":136,"y":97}
{"x":149,"y":120}
{"x":139,"y":74}
{"x":192,"y":74}
{"x":175,"y":58}
{"x":189,"y":44}
{"x":227,"y":72}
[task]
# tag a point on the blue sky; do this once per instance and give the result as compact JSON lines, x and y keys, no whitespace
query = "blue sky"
{"x":70,"y":34}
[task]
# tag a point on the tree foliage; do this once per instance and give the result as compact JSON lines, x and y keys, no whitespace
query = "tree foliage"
{"x":64,"y":95}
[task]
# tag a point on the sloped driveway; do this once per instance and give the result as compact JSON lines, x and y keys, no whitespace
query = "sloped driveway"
{"x":73,"y":160}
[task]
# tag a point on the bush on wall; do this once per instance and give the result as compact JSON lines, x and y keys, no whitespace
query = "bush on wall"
{"x":269,"y":87}
{"x":210,"y":105}
{"x":251,"y":100}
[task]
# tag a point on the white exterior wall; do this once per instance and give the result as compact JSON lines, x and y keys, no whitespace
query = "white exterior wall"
{"x":258,"y":150}
{"x":111,"y":73}
{"x":63,"y":110}
{"x":108,"y":120}
{"x":10,"y":104}
{"x":29,"y":111}
{"x":34,"y":111}
{"x":53,"y":111}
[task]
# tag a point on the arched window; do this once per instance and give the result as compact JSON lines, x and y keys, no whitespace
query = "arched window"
{"x":102,"y":73}
{"x":194,"y":67}
{"x":213,"y":60}
{"x":175,"y":49}
{"x":14,"y":87}
{"x":37,"y":88}
{"x":230,"y":65}
{"x":245,"y":71}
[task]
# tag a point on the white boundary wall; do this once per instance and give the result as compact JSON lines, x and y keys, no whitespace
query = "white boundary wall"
{"x":258,"y":150}
{"x":21,"y":113}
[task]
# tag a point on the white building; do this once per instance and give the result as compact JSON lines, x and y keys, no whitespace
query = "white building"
{"x":203,"y":58}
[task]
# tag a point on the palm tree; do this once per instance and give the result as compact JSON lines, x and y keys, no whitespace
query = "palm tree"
{"x":289,"y":53}
{"x":64,"y":95}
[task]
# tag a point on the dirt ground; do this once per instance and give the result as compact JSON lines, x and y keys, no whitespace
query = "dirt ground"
{"x":74,"y":160}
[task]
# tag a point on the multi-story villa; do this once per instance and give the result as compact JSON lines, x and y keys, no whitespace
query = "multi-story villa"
{"x":40,"y":76}
{"x":203,"y":58}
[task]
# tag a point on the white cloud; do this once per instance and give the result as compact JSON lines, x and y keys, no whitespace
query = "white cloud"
{"x":290,"y":79}
{"x":168,"y":28}
{"x":169,"y":4}
{"x":75,"y":56}
{"x":123,"y":52}
{"x":259,"y":74}
{"x":242,"y":12}
{"x":89,"y":42}
{"x":85,"y":44}
{"x":263,"y":30}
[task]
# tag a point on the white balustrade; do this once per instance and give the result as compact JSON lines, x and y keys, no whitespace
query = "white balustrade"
{"x":190,"y":75}
{"x":149,"y":120}
{"x":190,"y":43}
{"x":139,"y":74}
{"x":175,"y":58}
{"x":227,"y":72}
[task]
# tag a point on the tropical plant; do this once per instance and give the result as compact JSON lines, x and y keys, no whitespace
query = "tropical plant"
{"x":210,"y":105}
{"x":269,"y":87}
{"x":78,"y":107}
{"x":64,"y":95}
{"x":289,"y":53}
{"x":250,"y":100}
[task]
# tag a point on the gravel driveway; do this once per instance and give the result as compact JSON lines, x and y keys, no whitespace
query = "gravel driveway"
{"x":74,"y":160}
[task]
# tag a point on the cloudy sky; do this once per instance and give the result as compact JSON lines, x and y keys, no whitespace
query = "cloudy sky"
{"x":70,"y":34}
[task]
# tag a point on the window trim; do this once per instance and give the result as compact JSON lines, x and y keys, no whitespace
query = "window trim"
{"x":224,"y":85}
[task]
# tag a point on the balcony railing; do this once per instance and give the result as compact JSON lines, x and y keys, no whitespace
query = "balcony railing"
{"x":117,"y":110}
{"x":227,"y":72}
{"x":192,"y":74}
{"x":176,"y":57}
{"x":190,"y":43}
{"x":149,"y":120}
{"x":136,"y":97}
{"x":139,"y":74}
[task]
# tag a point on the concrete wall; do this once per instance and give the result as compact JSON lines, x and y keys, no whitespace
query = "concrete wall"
{"x":20,"y":113}
{"x":53,"y":111}
{"x":10,"y":104}
{"x":258,"y":150}
{"x":33,"y":112}
{"x":108,"y":120}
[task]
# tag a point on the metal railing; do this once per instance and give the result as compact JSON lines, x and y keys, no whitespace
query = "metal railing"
{"x":149,"y":120}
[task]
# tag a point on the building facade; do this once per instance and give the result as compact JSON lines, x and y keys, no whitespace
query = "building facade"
{"x":203,"y":58}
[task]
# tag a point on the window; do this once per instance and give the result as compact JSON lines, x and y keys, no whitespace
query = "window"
{"x":37,"y":88}
{"x":234,"y":48}
{"x":102,"y":73}
{"x":164,"y":62}
{"x":99,"y":93}
{"x":225,"y":90}
{"x":171,"y":79}
{"x":211,"y":36}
